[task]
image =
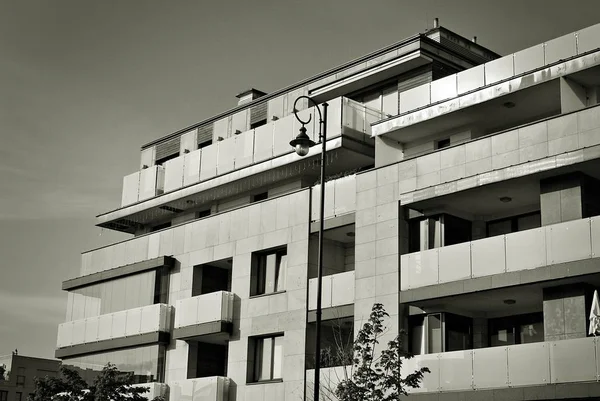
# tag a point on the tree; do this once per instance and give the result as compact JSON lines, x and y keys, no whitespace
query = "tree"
{"x":365,"y":373}
{"x":109,"y":385}
{"x":3,"y":372}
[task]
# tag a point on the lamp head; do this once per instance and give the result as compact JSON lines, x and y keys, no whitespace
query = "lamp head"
{"x":302,"y":142}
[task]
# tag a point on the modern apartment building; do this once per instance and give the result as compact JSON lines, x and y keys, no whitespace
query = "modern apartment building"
{"x":463,"y":193}
{"x":20,"y":371}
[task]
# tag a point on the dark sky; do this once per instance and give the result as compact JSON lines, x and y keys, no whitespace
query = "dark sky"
{"x":84,"y":83}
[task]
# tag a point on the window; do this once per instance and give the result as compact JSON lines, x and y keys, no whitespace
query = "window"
{"x":267,"y":354}
{"x":436,"y":231}
{"x":19,"y":397}
{"x":268,"y":272}
{"x":439,"y":332}
{"x":260,"y":197}
{"x":20,"y":380}
{"x":513,"y":224}
{"x":520,"y":329}
{"x":442,"y":143}
{"x":3,"y":395}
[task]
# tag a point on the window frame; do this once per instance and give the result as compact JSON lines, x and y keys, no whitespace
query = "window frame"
{"x":3,"y":395}
{"x":21,"y":383}
{"x":444,"y":318}
{"x":257,"y":354}
{"x":514,"y":222}
{"x":260,"y":270}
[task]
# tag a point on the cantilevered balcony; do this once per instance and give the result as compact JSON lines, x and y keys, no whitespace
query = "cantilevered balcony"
{"x":204,"y":315}
{"x":552,"y":245}
{"x":138,"y":326}
{"x":535,"y":364}
{"x":243,"y":162}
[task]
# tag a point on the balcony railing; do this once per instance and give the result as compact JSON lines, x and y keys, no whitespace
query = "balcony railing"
{"x":340,"y":197}
{"x":207,"y":308}
{"x":131,"y":322}
{"x":206,"y":389}
{"x":530,"y":249}
{"x":154,"y":390}
{"x":564,"y":361}
{"x":337,"y":290}
{"x":345,"y":117}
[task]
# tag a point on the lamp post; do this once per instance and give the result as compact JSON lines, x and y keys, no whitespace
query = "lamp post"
{"x":301,"y":145}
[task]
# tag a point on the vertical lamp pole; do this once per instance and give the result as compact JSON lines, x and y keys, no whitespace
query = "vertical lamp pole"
{"x":301,"y":145}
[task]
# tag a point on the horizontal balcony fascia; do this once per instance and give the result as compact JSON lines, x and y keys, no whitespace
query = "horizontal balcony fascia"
{"x":540,"y":146}
{"x":203,"y":315}
{"x":520,"y":251}
{"x":337,"y":290}
{"x":117,"y":272}
{"x":136,"y":325}
{"x":214,"y":388}
{"x":495,"y":78}
{"x":525,"y":365}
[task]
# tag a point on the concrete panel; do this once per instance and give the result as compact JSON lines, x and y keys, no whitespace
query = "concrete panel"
{"x":329,"y":200}
{"x":444,"y":88}
{"x":588,"y":119}
{"x":283,"y":133}
{"x":342,"y":289}
{"x":239,"y":121}
{"x":533,"y":134}
{"x":595,"y":236}
{"x":131,"y":187}
{"x":525,"y":250}
{"x":189,"y":142}
{"x":562,"y":127}
{"x":470,"y":79}
{"x":528,"y":364}
{"x":91,"y":330}
{"x":275,"y":108}
{"x":105,"y":327}
{"x":226,"y":156}
{"x":529,"y":59}
{"x":490,"y":368}
{"x":455,"y":262}
{"x":588,"y":39}
{"x":222,"y":129}
{"x":456,"y":370}
{"x":478,"y":150}
{"x":263,"y":143}
{"x":148,"y":157}
{"x":244,"y":149}
{"x":422,"y":268}
{"x":506,"y":142}
{"x":568,"y":241}
{"x":452,"y":157}
{"x":191,"y":167}
{"x":134,"y":321}
{"x":561,"y":48}
{"x":573,"y":360}
{"x":488,"y":256}
{"x":119,"y":324}
{"x":415,"y":98}
{"x":174,"y":174}
{"x":344,"y":195}
{"x":208,"y":162}
{"x":150,"y":318}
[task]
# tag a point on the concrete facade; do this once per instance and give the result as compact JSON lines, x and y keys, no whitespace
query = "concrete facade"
{"x":462,"y":195}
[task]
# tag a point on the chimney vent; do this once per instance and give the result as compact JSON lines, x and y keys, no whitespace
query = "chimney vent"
{"x":474,"y":39}
{"x":436,"y":22}
{"x":249,"y":95}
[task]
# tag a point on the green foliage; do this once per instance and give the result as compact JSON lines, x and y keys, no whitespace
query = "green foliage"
{"x":2,"y":372}
{"x":110,"y":384}
{"x":375,"y":374}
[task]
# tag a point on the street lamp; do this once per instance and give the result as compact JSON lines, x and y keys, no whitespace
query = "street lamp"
{"x":301,"y":145}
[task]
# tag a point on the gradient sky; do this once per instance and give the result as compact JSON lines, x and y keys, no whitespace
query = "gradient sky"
{"x":84,"y":83}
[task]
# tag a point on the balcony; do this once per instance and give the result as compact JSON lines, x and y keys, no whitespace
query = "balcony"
{"x":525,"y":250}
{"x":565,"y":361}
{"x":154,"y":390}
{"x":471,"y":96}
{"x":131,"y":327}
{"x":201,"y":389}
{"x":207,"y":314}
{"x":337,"y":290}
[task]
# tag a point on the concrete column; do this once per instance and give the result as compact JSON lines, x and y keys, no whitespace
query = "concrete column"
{"x":566,"y":311}
{"x":572,"y":96}
{"x":387,"y":151}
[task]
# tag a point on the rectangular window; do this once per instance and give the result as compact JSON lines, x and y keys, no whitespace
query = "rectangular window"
{"x":513,"y":224}
{"x":439,"y":332}
{"x":268,"y":272}
{"x":520,"y":329}
{"x":442,"y":143}
{"x":19,"y":397}
{"x":268,"y":358}
{"x":20,"y":380}
{"x":3,"y":395}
